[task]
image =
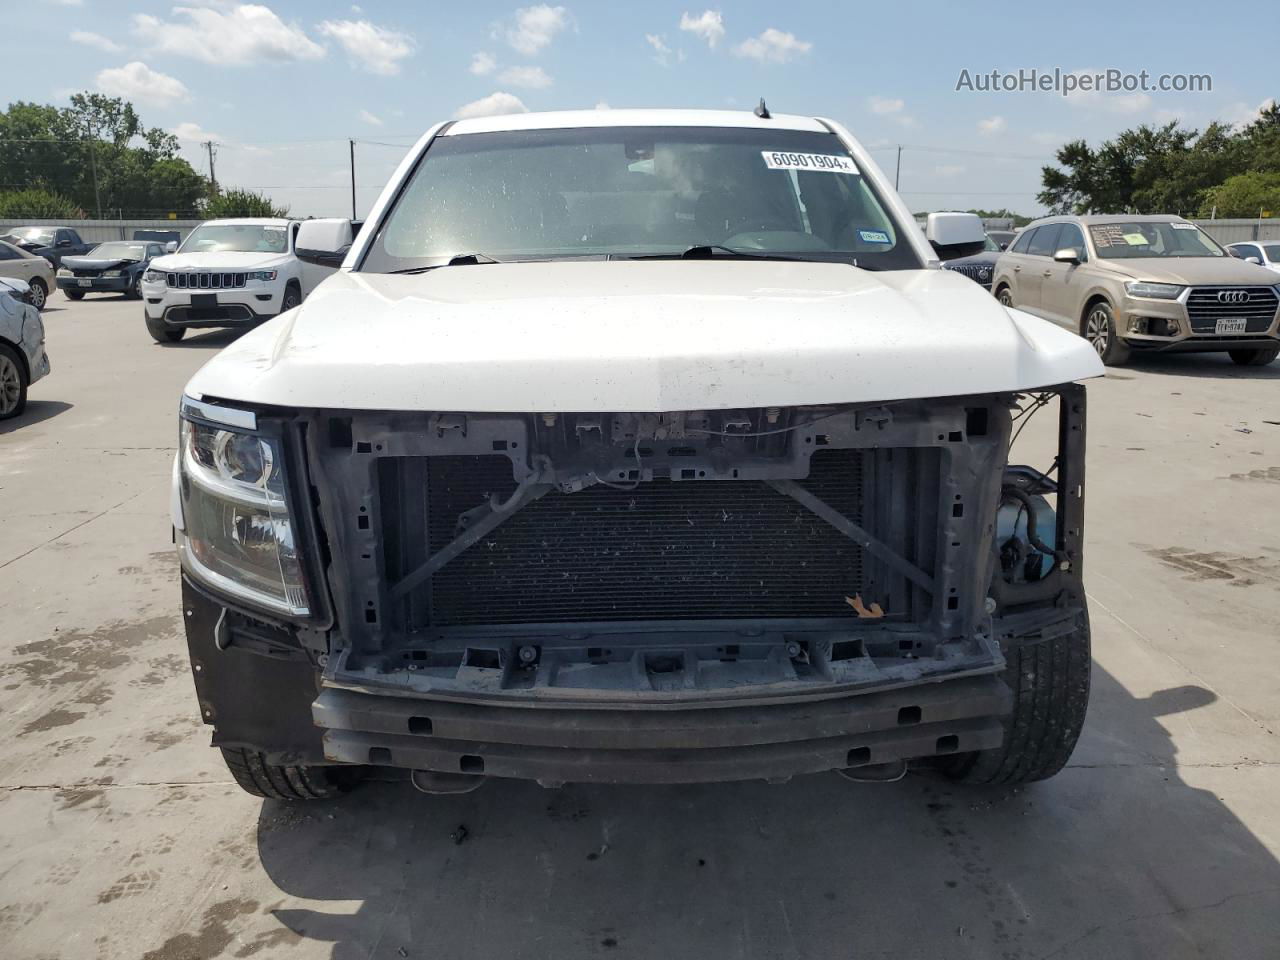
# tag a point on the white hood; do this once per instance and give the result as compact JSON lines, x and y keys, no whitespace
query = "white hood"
{"x":221,"y":260}
{"x":646,"y":336}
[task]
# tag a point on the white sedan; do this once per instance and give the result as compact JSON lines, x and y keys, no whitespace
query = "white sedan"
{"x":1265,"y":254}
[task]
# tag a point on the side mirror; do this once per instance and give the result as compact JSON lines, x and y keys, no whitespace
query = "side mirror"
{"x":1067,"y":255}
{"x":323,"y":242}
{"x":954,"y":235}
{"x":63,"y":243}
{"x":1257,"y":260}
{"x":1004,"y":245}
{"x":171,"y":246}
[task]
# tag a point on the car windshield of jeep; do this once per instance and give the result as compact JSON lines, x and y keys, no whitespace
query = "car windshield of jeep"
{"x":237,"y":238}
{"x":635,"y":192}
{"x":1144,"y":239}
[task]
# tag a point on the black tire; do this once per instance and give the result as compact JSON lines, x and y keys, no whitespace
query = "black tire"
{"x":39,"y":293}
{"x":135,"y":292}
{"x":74,"y":294}
{"x":161,"y":332}
{"x":13,"y":383}
{"x":1050,"y":684}
{"x":1005,"y":296}
{"x":287,"y":782}
{"x":1099,"y":328}
{"x":292,"y":297}
{"x":1254,"y":358}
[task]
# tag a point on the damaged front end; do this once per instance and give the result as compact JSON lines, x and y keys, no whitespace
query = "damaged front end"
{"x":621,"y":597}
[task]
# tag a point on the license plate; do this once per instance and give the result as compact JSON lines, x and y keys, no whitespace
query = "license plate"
{"x":1230,"y":325}
{"x":86,"y":283}
{"x":204,"y":299}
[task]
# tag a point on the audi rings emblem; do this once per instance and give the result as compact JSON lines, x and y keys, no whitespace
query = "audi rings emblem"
{"x":1233,"y":296}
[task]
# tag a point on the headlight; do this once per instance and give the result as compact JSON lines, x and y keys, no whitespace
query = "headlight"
{"x":111,"y":273}
{"x":238,"y":536}
{"x":1154,"y":291}
{"x":154,"y":276}
{"x":264,"y":275}
{"x":64,"y":272}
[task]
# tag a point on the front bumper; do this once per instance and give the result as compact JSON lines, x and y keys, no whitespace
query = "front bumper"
{"x":1137,"y":313}
{"x":207,"y":308}
{"x":96,"y":284}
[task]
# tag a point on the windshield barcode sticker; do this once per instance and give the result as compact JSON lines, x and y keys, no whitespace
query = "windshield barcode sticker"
{"x":821,"y":162}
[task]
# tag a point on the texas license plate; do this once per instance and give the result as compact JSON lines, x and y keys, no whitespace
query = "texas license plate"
{"x":86,"y":283}
{"x":1230,"y":325}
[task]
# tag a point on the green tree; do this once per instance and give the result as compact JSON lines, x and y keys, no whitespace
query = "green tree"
{"x":1245,"y":195}
{"x":35,"y":204}
{"x":241,"y":203}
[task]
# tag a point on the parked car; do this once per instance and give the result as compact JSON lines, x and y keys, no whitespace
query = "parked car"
{"x":35,"y":271}
{"x":978,"y":267}
{"x":1002,"y":238}
{"x":52,"y":243}
{"x":227,"y":273}
{"x":675,"y":463}
{"x":23,"y":359}
{"x":1263,"y":254}
{"x":1152,"y":283}
{"x":159,"y":236}
{"x":116,"y":266}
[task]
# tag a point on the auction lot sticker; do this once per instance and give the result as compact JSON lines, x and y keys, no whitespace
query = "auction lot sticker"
{"x":820,"y":162}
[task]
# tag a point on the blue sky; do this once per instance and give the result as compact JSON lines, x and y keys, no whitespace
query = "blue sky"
{"x":282,"y":85}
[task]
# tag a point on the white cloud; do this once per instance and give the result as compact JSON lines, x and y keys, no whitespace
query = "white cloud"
{"x":948,"y":170}
{"x":708,"y":25}
{"x":193,"y":132}
{"x":95,"y":40}
{"x":536,"y":27}
{"x":482,"y":64}
{"x":992,"y":125}
{"x":371,"y":47}
{"x":495,"y":104}
{"x":661,"y":52}
{"x":227,"y":35}
{"x":371,"y":119}
{"x":1123,"y":103}
{"x":1243,"y":114}
{"x":136,"y":81}
{"x":531,"y":78}
{"x":885,"y":105}
{"x":772,"y":46}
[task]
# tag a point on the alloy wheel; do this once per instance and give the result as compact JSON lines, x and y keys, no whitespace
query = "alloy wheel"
{"x":1005,"y":298}
{"x":1098,"y":331}
{"x":10,"y":385}
{"x":37,"y":295}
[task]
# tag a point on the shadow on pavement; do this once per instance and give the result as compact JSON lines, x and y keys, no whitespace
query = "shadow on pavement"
{"x":1115,"y":857}
{"x":214,"y":339}
{"x":1217,"y":366}
{"x":37,"y":411}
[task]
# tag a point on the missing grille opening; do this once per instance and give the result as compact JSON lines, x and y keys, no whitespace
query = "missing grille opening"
{"x":847,"y":650}
{"x":664,"y":662}
{"x":483,"y":659}
{"x":908,"y":716}
{"x":858,"y":756}
{"x":948,"y":744}
{"x":420,"y":725}
{"x":469,"y":763}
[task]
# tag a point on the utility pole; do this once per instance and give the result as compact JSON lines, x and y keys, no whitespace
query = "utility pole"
{"x":898,"y":169}
{"x":93,"y":165}
{"x":352,"y":144}
{"x":213,"y":180}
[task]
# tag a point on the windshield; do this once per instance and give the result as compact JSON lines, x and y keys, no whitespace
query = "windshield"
{"x":36,"y":235}
{"x":237,"y":238}
{"x":990,"y":245}
{"x":1146,"y":239}
{"x":1273,"y":251}
{"x":621,"y":192}
{"x":119,"y":251}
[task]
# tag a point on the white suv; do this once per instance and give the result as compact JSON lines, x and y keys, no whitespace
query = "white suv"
{"x":227,"y":273}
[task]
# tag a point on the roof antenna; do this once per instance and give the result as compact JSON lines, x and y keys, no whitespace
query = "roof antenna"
{"x":762,"y":111}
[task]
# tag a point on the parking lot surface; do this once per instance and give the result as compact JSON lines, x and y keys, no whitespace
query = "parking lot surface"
{"x":122,"y":835}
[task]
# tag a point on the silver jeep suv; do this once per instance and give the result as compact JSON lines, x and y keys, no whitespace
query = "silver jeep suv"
{"x":1133,"y":283}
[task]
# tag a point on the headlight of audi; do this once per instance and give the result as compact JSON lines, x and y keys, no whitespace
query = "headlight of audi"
{"x":1154,"y":291}
{"x":237,"y":536}
{"x":154,"y":276}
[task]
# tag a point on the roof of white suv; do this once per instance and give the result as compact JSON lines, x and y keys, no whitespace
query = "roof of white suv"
{"x":254,"y":221}
{"x":564,"y":119}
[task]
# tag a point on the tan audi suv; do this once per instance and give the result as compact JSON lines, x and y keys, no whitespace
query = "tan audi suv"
{"x":1130,"y":284}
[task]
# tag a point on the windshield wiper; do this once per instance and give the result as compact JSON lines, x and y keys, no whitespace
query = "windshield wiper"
{"x":707,"y":251}
{"x":457,"y":260}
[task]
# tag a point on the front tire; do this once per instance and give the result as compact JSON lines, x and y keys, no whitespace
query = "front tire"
{"x":13,"y":383}
{"x":1100,"y":331}
{"x":1254,"y":358}
{"x":1005,"y":296}
{"x":274,"y":781}
{"x":292,"y":297}
{"x":135,"y":292}
{"x":161,"y":332}
{"x":1050,"y":684}
{"x":39,"y":293}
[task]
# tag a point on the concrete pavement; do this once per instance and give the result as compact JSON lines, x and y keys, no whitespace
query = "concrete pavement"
{"x":122,"y":836}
